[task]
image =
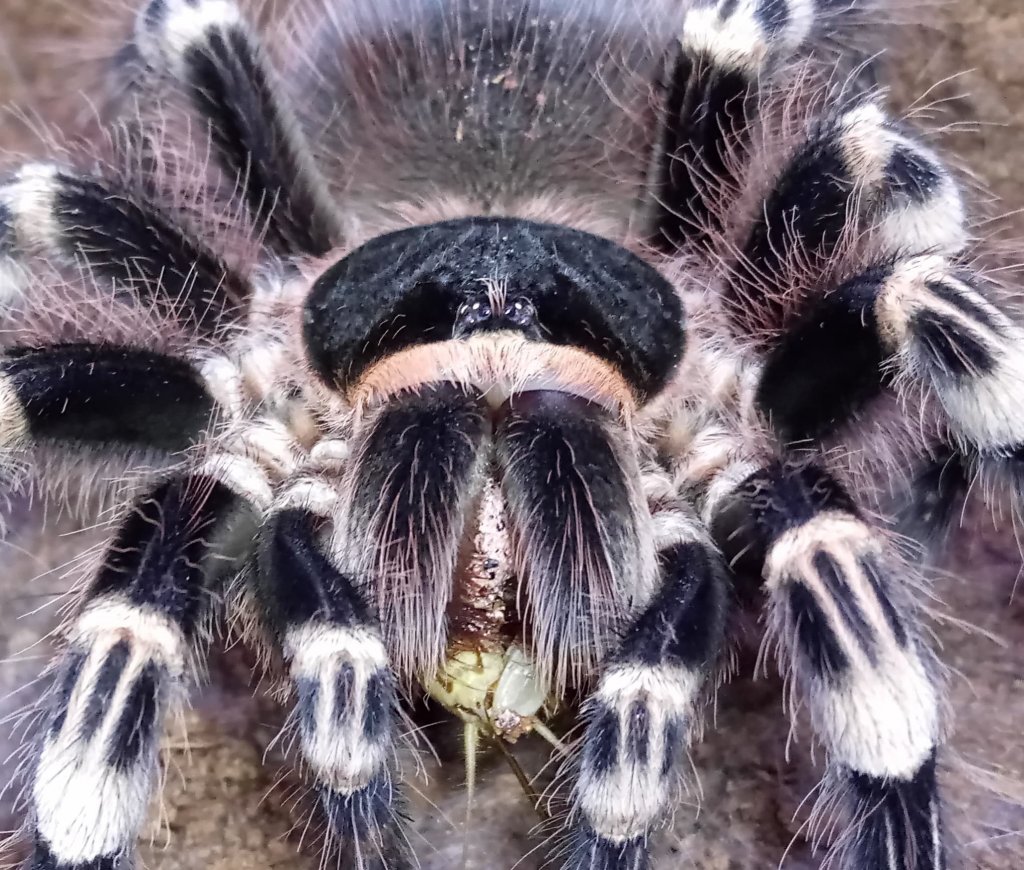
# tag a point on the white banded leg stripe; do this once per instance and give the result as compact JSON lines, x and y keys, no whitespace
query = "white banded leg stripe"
{"x":836,"y":600}
{"x":725,"y":50}
{"x":97,"y":764}
{"x":936,"y":318}
{"x":630,"y":769}
{"x":209,"y":48}
{"x":346,"y":702}
{"x":744,"y":35}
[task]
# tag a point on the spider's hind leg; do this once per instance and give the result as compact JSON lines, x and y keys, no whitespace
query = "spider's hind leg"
{"x":727,"y":52}
{"x":209,"y":50}
{"x":640,"y":719}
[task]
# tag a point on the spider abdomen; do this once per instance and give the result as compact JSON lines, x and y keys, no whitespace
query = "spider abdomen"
{"x":499,"y":98}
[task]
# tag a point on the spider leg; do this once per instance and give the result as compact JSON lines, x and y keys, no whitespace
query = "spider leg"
{"x":209,"y":49}
{"x":346,"y":694}
{"x":120,"y":236}
{"x":101,"y":395}
{"x":915,"y":319}
{"x":917,"y":322}
{"x":126,"y":662}
{"x":640,"y":719}
{"x":937,"y":492}
{"x":726,"y":52}
{"x":856,"y":179}
{"x":841,"y":616}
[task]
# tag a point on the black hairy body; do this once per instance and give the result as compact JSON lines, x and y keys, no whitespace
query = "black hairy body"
{"x":482,"y":372}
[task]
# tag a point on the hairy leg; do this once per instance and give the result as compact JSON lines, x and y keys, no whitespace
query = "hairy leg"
{"x":647,"y":704}
{"x":346,"y":707}
{"x":727,"y":53}
{"x":841,"y":614}
{"x":125,"y":666}
{"x":119,"y":236}
{"x":101,"y":396}
{"x":209,"y":50}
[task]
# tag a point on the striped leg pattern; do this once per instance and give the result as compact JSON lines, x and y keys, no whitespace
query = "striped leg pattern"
{"x":120,"y":236}
{"x":840,"y":614}
{"x":846,"y":341}
{"x":346,"y":710}
{"x":913,"y":318}
{"x":727,"y":51}
{"x":209,"y":50}
{"x":126,"y":664}
{"x":639,"y":721}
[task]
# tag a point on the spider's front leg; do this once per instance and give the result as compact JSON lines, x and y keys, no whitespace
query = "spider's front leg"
{"x":391,"y":516}
{"x":640,"y":719}
{"x":127,"y":659}
{"x":346,"y":707}
{"x":840,"y":609}
{"x":131,"y":648}
{"x":854,"y":285}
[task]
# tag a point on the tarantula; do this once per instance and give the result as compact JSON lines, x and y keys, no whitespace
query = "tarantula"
{"x":483,"y":351}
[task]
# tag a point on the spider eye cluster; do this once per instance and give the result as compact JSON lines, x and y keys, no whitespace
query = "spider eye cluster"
{"x":451,"y":280}
{"x":487,"y":314}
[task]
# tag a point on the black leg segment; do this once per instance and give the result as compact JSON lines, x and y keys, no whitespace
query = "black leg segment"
{"x":631,"y":766}
{"x":346,"y":708}
{"x":99,"y":395}
{"x":208,"y":47}
{"x":122,"y":237}
{"x":126,"y":664}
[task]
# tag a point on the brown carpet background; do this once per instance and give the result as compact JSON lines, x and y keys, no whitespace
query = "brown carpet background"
{"x":220,"y":810}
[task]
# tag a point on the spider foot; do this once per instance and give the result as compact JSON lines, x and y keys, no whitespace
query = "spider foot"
{"x":346,"y":696}
{"x":898,"y":823}
{"x":640,"y":719}
{"x":98,"y":759}
{"x":845,"y":628}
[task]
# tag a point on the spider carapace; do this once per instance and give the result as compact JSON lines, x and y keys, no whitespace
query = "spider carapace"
{"x":477,"y":347}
